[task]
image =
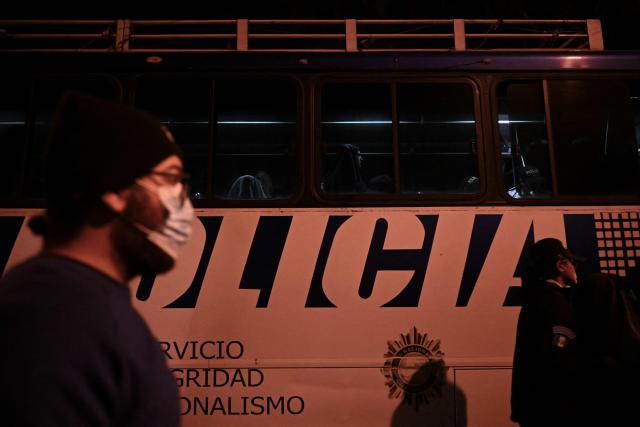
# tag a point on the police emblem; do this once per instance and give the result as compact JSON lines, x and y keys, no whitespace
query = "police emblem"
{"x":414,"y":368}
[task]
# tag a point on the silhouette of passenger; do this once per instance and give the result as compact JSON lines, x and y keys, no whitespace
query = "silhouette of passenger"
{"x":529,"y":182}
{"x":246,"y":187}
{"x":346,"y":176}
{"x":381,"y":184}
{"x":267,"y":184}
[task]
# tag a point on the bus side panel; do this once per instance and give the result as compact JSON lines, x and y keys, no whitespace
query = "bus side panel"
{"x":357,"y":316}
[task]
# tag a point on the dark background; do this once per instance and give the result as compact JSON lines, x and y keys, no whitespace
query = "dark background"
{"x":620,"y":18}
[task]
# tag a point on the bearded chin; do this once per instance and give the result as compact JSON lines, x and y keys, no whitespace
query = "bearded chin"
{"x":139,"y":254}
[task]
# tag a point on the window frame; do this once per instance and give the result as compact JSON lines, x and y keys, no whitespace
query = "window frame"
{"x":555,"y":199}
{"x":212,"y":201}
{"x":396,"y":198}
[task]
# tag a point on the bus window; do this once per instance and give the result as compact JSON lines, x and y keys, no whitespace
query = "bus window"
{"x":255,"y":139}
{"x":526,"y":169}
{"x":356,"y":137}
{"x":593,"y":130}
{"x":183,"y":106}
{"x":47,"y":95}
{"x":593,"y":137}
{"x":14,"y":105}
{"x":437,"y":134}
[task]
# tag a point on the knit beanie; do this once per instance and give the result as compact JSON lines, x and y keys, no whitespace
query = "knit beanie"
{"x":97,"y":146}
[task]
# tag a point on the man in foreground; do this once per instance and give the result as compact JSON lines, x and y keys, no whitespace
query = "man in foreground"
{"x":74,"y":350}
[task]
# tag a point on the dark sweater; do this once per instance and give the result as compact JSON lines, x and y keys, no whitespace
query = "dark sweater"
{"x":74,"y":352}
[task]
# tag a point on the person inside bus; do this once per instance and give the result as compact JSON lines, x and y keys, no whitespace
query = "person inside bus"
{"x":346,"y":176}
{"x":266,"y":182}
{"x":75,"y":351}
{"x":544,"y":379}
{"x":246,"y":187}
{"x":529,"y":183}
{"x":381,"y":184}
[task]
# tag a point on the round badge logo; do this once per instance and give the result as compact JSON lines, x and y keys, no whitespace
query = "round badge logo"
{"x":414,"y":368}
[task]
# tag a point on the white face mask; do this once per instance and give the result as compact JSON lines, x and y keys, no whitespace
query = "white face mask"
{"x":177,"y":228}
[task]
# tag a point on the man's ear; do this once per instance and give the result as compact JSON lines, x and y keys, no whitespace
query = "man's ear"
{"x":114,"y":201}
{"x":561,"y":265}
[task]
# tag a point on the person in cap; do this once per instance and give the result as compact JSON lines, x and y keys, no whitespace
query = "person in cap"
{"x":74,"y":350}
{"x":544,"y":365}
{"x":346,"y":177}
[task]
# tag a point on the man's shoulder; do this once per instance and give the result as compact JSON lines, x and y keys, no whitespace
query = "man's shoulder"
{"x":54,"y":274}
{"x":67,"y":291}
{"x":541,"y":290}
{"x":551,"y":290}
{"x":49,"y":303}
{"x":58,"y":288}
{"x":32,"y":279}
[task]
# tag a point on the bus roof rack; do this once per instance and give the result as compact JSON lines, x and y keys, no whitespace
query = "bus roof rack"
{"x":292,"y":35}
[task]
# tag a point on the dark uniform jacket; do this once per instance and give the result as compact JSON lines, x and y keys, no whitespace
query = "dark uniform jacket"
{"x":543,"y":378}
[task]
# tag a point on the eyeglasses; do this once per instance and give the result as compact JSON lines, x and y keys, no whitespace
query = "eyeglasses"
{"x":173,"y":178}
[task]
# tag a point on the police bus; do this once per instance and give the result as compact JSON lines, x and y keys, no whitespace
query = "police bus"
{"x":365,"y":192}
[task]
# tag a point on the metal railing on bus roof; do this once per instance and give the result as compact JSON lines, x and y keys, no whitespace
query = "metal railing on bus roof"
{"x":328,"y":35}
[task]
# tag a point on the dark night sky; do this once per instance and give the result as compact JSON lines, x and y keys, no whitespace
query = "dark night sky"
{"x":620,"y":18}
